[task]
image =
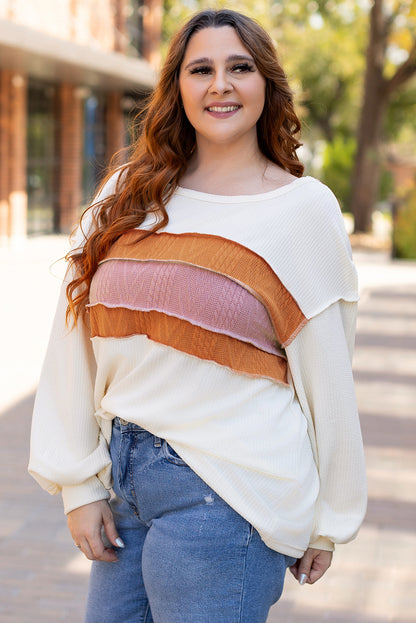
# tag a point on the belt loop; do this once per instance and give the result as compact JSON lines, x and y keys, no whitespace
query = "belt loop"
{"x":157,"y":442}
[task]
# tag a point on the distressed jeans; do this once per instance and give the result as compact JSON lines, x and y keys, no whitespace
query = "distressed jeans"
{"x":188,"y":556}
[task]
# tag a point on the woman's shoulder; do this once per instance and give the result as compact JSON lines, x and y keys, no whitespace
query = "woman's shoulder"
{"x":313,"y":196}
{"x":312,"y":215}
{"x":317,"y":188}
{"x":319,"y":201}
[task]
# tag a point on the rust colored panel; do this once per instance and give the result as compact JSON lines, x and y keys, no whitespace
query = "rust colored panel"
{"x":179,"y":334}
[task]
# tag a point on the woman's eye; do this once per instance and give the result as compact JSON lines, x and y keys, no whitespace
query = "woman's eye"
{"x":242,"y":68}
{"x":203,"y":70}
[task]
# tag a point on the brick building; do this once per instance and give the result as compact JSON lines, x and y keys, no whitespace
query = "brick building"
{"x":72,"y":74}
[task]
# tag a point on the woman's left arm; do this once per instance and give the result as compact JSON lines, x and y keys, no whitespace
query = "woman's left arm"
{"x":320,"y":365}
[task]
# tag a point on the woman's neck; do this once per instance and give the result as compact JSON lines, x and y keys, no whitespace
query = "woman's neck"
{"x":224,"y":169}
{"x":232,"y":170}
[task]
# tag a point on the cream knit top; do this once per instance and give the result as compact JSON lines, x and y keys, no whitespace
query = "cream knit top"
{"x":229,"y":333}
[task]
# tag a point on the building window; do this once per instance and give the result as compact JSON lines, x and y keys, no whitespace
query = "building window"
{"x":94,"y":156}
{"x":41,"y":158}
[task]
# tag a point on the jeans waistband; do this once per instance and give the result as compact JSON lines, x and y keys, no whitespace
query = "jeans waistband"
{"x":118,"y":421}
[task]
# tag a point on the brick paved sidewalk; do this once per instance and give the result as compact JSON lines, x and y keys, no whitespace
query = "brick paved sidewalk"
{"x":43,"y":577}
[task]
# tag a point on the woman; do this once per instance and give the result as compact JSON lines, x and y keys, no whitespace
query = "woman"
{"x":214,"y":298}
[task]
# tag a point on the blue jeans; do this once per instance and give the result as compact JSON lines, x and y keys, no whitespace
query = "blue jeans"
{"x":188,"y":557}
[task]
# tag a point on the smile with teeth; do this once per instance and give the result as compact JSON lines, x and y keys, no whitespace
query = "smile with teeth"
{"x":223,"y":108}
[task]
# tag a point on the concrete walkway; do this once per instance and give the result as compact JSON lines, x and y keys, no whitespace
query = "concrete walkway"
{"x":43,"y":578}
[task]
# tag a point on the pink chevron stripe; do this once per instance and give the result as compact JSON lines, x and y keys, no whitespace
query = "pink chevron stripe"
{"x":202,"y":297}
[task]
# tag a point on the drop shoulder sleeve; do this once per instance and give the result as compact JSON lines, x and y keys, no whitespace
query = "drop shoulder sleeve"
{"x":320,"y":365}
{"x":68,"y":450}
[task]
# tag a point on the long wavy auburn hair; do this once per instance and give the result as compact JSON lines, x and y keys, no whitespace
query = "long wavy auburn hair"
{"x":166,"y":142}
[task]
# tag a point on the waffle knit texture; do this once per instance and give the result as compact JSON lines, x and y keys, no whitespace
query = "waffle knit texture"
{"x":229,"y":333}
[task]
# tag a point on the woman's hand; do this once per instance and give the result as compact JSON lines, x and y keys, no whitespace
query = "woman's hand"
{"x":312,"y":565}
{"x":85,"y":525}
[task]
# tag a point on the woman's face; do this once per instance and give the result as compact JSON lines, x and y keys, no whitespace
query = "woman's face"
{"x":222,"y":90}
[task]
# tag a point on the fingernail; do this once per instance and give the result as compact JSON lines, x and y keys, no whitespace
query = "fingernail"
{"x":119,"y":542}
{"x":303,"y":578}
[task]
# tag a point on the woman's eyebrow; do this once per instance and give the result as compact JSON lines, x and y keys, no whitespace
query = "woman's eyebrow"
{"x":199,"y":61}
{"x":209,"y":61}
{"x":240,"y":57}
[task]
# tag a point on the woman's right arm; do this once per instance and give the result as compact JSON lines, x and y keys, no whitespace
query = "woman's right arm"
{"x":67,"y":449}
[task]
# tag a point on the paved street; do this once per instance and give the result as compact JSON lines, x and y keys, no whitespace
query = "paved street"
{"x":43,"y":577}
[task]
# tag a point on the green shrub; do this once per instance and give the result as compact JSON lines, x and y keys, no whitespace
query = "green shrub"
{"x":337,"y":167}
{"x":338,"y":161}
{"x":386,"y":188}
{"x":405,"y":228}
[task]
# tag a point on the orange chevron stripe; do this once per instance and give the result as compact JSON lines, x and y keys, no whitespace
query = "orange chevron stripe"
{"x":223,"y":256}
{"x":179,"y":334}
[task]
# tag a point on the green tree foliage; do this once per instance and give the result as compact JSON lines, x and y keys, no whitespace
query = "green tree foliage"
{"x":324,"y":62}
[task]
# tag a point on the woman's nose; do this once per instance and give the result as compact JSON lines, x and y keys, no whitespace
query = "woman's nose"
{"x":220,"y":83}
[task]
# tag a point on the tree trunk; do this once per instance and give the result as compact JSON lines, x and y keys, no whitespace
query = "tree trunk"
{"x":366,"y":175}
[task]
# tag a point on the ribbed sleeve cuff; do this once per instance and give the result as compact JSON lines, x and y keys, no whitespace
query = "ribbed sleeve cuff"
{"x":89,"y":491}
{"x":323,"y":543}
